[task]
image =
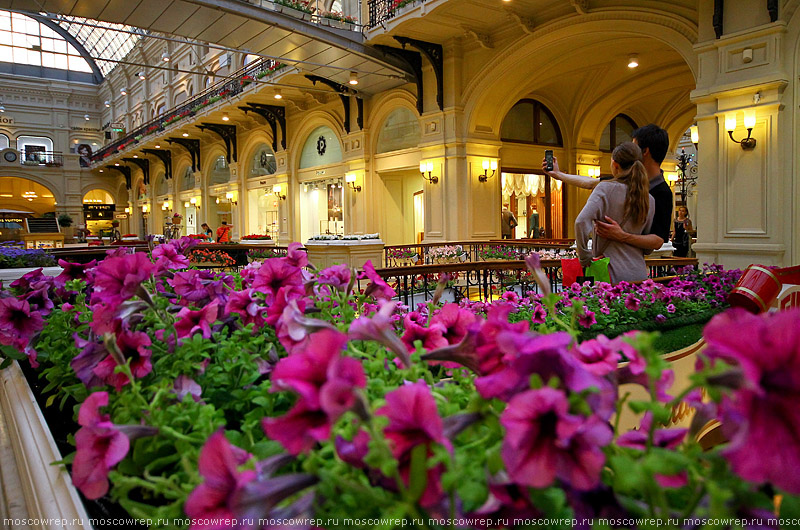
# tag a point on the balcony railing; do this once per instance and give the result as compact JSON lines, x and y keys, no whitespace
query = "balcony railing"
{"x":43,"y":158}
{"x":383,"y":10}
{"x":232,"y":86}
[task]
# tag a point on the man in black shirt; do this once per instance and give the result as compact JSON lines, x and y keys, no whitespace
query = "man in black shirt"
{"x":654,"y":143}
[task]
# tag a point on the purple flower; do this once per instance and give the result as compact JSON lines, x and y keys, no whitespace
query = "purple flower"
{"x":85,"y":362}
{"x":587,"y":319}
{"x":299,"y":429}
{"x":378,"y":288}
{"x":73,"y":271}
{"x":185,"y":385}
{"x":534,"y":265}
{"x":169,"y":257}
{"x":353,"y":452}
{"x":671,"y":308}
{"x":413,"y":421}
{"x":100,"y":445}
{"x":539,"y":314}
{"x":133,"y":346}
{"x":663,"y":438}
{"x":632,"y":303}
{"x":454,"y":321}
{"x":17,"y":323}
{"x":600,"y":356}
{"x":39,"y":300}
{"x":379,"y":328}
{"x":337,"y":276}
{"x":294,"y":327}
{"x":660,"y":318}
{"x":761,"y":418}
{"x":117,"y":279}
{"x":276,"y":273}
{"x":431,"y":337}
{"x":218,"y":465}
{"x":24,"y":283}
{"x":190,"y":322}
{"x":296,"y":257}
{"x":544,"y":442}
{"x":248,"y":307}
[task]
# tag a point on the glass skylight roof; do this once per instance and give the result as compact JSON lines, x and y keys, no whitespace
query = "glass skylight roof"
{"x":27,"y":41}
{"x":102,"y":40}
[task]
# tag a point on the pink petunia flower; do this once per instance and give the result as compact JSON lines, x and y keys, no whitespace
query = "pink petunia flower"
{"x":248,"y":307}
{"x":379,"y":328}
{"x":190,"y":322}
{"x":761,"y":418}
{"x":169,"y":257}
{"x":455,"y":321}
{"x":413,"y":421}
{"x":378,"y":288}
{"x":18,"y":323}
{"x":600,"y":356}
{"x":132,"y":346}
{"x":117,"y":279}
{"x":277,"y":273}
{"x":544,"y":442}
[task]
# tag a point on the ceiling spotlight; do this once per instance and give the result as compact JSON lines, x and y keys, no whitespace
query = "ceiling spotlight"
{"x":225,"y":116}
{"x":101,"y":171}
{"x":633,"y":60}
{"x":278,"y":93}
{"x":141,"y":76}
{"x":185,"y":135}
{"x":135,"y":156}
{"x":158,"y":146}
{"x":116,"y":163}
{"x":123,"y":91}
{"x":2,"y":108}
{"x":86,"y":117}
{"x":107,"y":103}
{"x":165,"y":56}
{"x":353,"y":78}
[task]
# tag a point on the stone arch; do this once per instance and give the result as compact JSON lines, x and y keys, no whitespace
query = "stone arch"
{"x":209,"y":157}
{"x":501,"y":82}
{"x":52,"y":187}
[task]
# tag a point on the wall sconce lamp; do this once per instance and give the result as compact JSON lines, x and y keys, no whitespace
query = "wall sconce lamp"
{"x":193,"y":202}
{"x":594,"y":172}
{"x":427,"y":167}
{"x":144,"y":208}
{"x":749,"y":122}
{"x":164,"y":206}
{"x":695,"y":134}
{"x":487,"y":165}
{"x":350,"y":178}
{"x":230,"y":198}
{"x":276,"y":190}
{"x":186,"y":204}
{"x":127,"y":210}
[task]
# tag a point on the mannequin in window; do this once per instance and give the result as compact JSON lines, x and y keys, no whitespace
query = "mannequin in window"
{"x":533,"y":224}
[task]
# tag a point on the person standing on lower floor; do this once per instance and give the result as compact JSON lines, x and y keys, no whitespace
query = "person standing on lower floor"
{"x":224,"y":233}
{"x":680,"y":233}
{"x":507,"y":223}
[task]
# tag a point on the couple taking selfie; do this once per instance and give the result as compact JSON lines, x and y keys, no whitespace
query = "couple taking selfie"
{"x":629,"y":214}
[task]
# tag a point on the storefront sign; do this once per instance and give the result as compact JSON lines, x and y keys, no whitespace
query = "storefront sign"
{"x":88,"y":129}
{"x":98,"y":212}
{"x":117,"y":126}
{"x":120,"y":216}
{"x":6,"y":120}
{"x":319,"y":172}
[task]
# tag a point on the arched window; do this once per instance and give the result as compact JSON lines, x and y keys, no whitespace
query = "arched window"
{"x":263,"y":162}
{"x":250,"y":58}
{"x":321,"y":148}
{"x":162,"y":188}
{"x":25,"y":41}
{"x":400,"y":130}
{"x":161,"y":109}
{"x":618,"y":130}
{"x":187,"y":181}
{"x":3,"y":141}
{"x":35,"y":149}
{"x":531,"y":122}
{"x":221,"y":173}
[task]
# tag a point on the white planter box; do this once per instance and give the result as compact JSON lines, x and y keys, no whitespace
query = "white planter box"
{"x":263,"y":242}
{"x":354,"y":253}
{"x":33,"y":488}
{"x":9,"y":275}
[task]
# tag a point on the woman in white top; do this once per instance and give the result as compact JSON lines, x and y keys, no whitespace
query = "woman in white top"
{"x":627,"y":200}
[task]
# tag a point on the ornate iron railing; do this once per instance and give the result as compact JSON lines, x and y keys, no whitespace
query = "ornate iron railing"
{"x":383,"y":10}
{"x":507,"y":249}
{"x":232,"y":86}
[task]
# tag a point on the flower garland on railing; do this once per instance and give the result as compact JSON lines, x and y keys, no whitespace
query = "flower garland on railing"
{"x":257,"y":237}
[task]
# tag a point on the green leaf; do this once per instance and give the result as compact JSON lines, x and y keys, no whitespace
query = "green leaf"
{"x":11,"y":352}
{"x":6,"y":363}
{"x":50,"y":400}
{"x":418,"y":474}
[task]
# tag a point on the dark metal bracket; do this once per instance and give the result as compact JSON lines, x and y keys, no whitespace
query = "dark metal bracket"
{"x":772,"y":7}
{"x":143,"y":164}
{"x":435,"y":54}
{"x":228,"y":135}
{"x":165,"y":155}
{"x":126,"y":172}
{"x":360,"y":116}
{"x":414,"y":62}
{"x":344,"y":93}
{"x":274,"y":115}
{"x":716,"y":20}
{"x":191,"y":145}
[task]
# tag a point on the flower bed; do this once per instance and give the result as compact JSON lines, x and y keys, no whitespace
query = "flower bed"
{"x":257,"y":237}
{"x":283,"y":394}
{"x":208,"y":257}
{"x":14,"y":255}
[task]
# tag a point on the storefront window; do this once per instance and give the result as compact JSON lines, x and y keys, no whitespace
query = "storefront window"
{"x":263,"y":162}
{"x":536,"y":202}
{"x":163,"y":187}
{"x":35,"y":149}
{"x":3,"y":141}
{"x":98,"y":212}
{"x":321,"y":208}
{"x":530,"y":122}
